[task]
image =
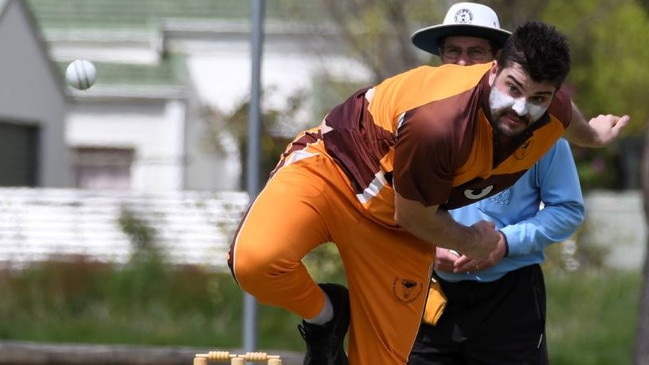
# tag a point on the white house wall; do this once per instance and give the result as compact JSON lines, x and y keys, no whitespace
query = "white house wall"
{"x":223,"y":77}
{"x":220,"y":68}
{"x":205,"y":168}
{"x":154,"y":131}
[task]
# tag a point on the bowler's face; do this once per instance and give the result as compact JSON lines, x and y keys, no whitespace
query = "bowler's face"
{"x":515,"y":100}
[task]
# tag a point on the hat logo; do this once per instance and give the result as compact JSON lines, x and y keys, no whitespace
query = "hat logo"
{"x":464,"y":16}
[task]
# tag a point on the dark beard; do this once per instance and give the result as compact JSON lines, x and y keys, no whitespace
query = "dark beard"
{"x":498,"y":128}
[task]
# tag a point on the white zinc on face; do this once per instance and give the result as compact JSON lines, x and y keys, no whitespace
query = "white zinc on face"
{"x":521,"y":106}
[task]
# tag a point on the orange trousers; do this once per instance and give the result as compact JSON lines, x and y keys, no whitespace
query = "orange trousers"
{"x":307,"y":203}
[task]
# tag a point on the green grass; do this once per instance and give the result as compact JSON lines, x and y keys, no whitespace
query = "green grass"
{"x":591,"y":315}
{"x":146,"y":303}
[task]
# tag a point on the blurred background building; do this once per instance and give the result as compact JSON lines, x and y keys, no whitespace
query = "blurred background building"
{"x":163,"y":66}
{"x":143,"y":137}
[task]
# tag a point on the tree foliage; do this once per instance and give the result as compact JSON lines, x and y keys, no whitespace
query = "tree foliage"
{"x":610,"y":72}
{"x":609,"y":76}
{"x":644,"y":4}
{"x":513,"y":13}
{"x":273,"y":138}
{"x":371,"y":28}
{"x":377,"y":33}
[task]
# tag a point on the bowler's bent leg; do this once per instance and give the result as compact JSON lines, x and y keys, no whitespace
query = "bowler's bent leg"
{"x":280,"y":228}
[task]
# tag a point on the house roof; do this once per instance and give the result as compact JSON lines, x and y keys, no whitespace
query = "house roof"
{"x":120,"y":14}
{"x":169,"y":72}
{"x":105,"y":30}
{"x":135,"y":82}
{"x":148,"y":14}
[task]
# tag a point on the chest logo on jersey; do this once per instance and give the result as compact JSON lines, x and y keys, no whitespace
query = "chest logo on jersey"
{"x":477,"y":194}
{"x":523,"y":150}
{"x":502,"y":198}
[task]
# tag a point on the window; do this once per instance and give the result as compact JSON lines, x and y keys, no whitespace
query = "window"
{"x":19,"y":154}
{"x":103,"y":168}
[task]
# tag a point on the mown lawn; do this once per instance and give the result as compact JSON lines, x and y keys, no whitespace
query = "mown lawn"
{"x":591,"y":315}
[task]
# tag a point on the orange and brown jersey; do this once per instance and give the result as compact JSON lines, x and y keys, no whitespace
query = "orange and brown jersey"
{"x":426,"y":133}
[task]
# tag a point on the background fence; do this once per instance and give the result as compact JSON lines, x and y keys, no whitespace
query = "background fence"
{"x":191,"y":227}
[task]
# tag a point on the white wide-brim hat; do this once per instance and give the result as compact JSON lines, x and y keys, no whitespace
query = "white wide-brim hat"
{"x":462,"y":19}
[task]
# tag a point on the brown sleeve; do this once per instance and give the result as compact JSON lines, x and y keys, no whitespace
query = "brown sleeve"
{"x":423,"y":167}
{"x":561,"y":106}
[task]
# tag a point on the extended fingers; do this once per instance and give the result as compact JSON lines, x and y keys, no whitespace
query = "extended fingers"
{"x":621,"y":122}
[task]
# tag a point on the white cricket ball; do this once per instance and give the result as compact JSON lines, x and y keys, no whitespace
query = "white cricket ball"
{"x":81,"y":74}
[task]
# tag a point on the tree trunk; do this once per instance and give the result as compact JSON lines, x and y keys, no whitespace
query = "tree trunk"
{"x":641,"y":353}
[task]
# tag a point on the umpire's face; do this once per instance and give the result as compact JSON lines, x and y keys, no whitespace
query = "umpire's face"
{"x":515,"y":100}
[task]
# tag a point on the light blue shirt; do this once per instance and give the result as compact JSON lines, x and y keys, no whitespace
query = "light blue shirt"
{"x":517,"y":213}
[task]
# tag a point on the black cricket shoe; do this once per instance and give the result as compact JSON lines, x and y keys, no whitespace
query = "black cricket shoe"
{"x":325,"y":343}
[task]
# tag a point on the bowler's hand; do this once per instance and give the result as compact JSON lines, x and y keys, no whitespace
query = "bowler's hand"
{"x":445,"y":259}
{"x":485,"y":241}
{"x":607,"y":127}
{"x":464,"y":263}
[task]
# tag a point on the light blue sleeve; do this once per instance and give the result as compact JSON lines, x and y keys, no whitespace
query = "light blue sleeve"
{"x":563,"y":205}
